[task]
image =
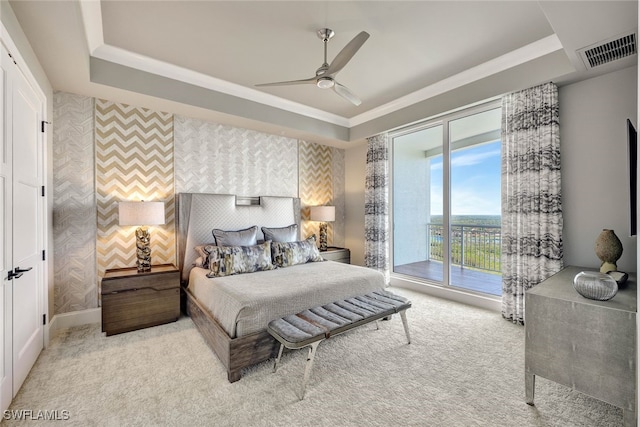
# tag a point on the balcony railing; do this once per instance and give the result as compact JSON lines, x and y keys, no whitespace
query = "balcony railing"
{"x":472,"y":246}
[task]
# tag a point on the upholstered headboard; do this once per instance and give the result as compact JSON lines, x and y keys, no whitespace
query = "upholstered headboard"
{"x":198,"y":214}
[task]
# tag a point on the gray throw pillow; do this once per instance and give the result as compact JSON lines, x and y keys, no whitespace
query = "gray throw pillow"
{"x":282,"y":234}
{"x":246,"y":237}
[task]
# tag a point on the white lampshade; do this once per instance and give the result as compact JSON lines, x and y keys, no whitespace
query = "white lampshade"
{"x":140,"y":213}
{"x":323,"y":213}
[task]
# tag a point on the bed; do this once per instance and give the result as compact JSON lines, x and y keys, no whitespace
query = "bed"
{"x":232,"y":312}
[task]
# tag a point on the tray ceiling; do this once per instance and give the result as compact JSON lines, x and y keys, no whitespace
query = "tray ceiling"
{"x":417,"y":50}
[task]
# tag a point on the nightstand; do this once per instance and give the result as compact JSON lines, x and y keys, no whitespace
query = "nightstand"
{"x":132,"y":300}
{"x":337,"y":254}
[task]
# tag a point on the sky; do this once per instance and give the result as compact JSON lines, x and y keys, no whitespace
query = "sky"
{"x":475,"y":181}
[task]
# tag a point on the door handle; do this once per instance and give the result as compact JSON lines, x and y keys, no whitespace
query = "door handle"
{"x":17,"y":273}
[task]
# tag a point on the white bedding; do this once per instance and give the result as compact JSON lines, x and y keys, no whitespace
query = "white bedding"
{"x":245,"y":303}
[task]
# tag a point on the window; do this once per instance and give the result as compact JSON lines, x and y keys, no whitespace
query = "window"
{"x":446,"y":200}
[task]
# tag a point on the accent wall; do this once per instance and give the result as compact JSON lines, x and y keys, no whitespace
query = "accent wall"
{"x":105,"y":152}
{"x":74,"y":204}
{"x":134,"y":162}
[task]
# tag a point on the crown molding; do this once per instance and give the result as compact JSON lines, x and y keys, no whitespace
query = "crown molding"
{"x":144,"y":63}
{"x":511,"y":59}
{"x":92,"y":19}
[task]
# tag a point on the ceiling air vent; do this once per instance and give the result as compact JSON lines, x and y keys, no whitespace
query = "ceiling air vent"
{"x":609,"y":50}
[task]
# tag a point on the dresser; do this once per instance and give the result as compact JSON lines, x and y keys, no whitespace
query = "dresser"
{"x":584,"y":344}
{"x":337,"y":254}
{"x":133,"y":300}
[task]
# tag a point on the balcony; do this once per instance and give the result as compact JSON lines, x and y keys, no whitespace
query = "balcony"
{"x":475,"y":258}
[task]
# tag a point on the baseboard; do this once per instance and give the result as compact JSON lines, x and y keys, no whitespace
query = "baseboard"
{"x":74,"y":318}
{"x":487,"y":302}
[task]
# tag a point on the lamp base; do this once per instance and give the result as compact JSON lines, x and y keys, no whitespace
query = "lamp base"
{"x":323,"y":236}
{"x":143,"y":250}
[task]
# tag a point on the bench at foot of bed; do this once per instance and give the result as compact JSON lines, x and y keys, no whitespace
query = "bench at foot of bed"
{"x":311,"y":327}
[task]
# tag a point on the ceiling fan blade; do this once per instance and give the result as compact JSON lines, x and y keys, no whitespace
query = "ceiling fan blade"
{"x":311,"y":80}
{"x":347,"y":53}
{"x":346,"y":94}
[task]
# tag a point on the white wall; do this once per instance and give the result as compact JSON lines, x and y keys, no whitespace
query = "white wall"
{"x":593,"y":141}
{"x":355,"y":160}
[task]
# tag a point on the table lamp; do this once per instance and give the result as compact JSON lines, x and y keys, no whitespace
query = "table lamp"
{"x":323,"y":214}
{"x":141,"y":214}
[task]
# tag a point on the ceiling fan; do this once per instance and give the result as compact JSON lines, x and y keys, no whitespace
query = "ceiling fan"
{"x":324,"y":77}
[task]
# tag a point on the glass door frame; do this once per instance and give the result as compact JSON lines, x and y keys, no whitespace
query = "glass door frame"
{"x":440,"y":120}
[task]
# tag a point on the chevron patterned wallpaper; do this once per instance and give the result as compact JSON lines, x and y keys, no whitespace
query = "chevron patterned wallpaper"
{"x":106,"y":152}
{"x":134,"y":161}
{"x":74,"y":206}
{"x":214,"y":158}
{"x":319,"y":186}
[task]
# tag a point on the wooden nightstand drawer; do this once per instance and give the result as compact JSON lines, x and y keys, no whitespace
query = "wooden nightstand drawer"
{"x":130,"y":310}
{"x":337,"y":254}
{"x":132,"y":300}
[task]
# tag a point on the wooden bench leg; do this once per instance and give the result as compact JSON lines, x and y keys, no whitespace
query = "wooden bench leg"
{"x":403,"y":316}
{"x":309,"y":366}
{"x":275,"y":365}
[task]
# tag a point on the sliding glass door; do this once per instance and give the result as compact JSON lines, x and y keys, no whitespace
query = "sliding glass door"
{"x":474,"y":143}
{"x":446,"y":201}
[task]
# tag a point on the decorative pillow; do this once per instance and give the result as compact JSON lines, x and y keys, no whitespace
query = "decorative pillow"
{"x":286,"y":254}
{"x":228,"y":260}
{"x":246,"y":237}
{"x":203,"y":256}
{"x":283,"y":234}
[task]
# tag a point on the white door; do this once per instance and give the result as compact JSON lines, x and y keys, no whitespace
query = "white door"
{"x":6,"y":248}
{"x":25,"y":116}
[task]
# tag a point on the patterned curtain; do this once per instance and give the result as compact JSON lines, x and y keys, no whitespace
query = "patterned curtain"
{"x":531,"y":197}
{"x":376,"y":201}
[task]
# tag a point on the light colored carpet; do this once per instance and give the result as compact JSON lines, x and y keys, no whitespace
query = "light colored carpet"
{"x":465,"y":367}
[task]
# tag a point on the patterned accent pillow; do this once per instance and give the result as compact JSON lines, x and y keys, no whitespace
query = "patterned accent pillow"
{"x":286,"y":254}
{"x":246,"y":237}
{"x":282,"y":234}
{"x":228,"y":260}
{"x":203,"y":256}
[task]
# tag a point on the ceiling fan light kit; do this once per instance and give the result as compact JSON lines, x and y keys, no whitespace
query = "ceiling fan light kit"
{"x":325,"y":83}
{"x":324,"y":77}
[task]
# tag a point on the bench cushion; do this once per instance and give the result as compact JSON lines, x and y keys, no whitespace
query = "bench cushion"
{"x":308,"y":326}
